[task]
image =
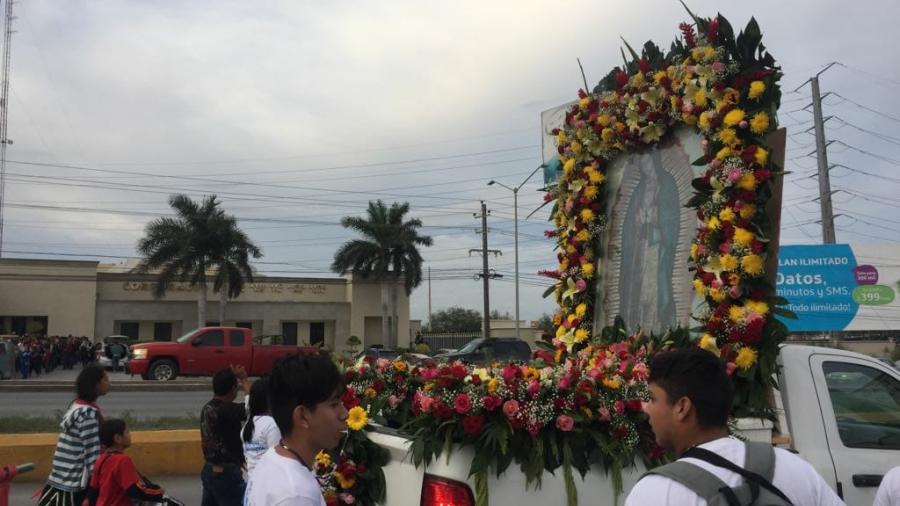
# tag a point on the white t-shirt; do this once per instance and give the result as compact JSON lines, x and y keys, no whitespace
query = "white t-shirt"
{"x":889,"y":492}
{"x":794,"y":476}
{"x":265,"y":435}
{"x":280,"y":481}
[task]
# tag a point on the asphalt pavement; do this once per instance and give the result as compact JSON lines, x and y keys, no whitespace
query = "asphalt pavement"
{"x":185,"y":488}
{"x":142,"y":405}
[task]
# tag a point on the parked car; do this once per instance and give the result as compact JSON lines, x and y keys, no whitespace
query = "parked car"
{"x":104,"y":355}
{"x":206,"y":350}
{"x":8,"y":353}
{"x":413,"y":358}
{"x":483,"y":351}
{"x":838,"y":409}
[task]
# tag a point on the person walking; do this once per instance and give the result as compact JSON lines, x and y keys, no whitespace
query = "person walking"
{"x":305,"y":400}
{"x":690,"y":401}
{"x":220,"y":426}
{"x":79,"y":442}
{"x":260,"y":432}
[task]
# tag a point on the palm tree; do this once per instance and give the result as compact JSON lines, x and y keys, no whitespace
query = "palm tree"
{"x":386,"y":251}
{"x":200,"y":238}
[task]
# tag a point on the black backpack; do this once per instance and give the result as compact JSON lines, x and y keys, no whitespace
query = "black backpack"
{"x":756,"y":489}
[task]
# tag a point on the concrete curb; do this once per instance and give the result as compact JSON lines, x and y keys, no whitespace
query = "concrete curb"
{"x":155,"y":453}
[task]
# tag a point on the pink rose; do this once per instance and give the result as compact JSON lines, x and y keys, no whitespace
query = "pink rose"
{"x":510,"y":408}
{"x":534,"y":388}
{"x":425,"y":403}
{"x":565,"y":423}
{"x":735,"y":292}
{"x":393,"y":400}
{"x":534,"y":428}
{"x":603,"y":414}
{"x":347,"y":498}
{"x":718,"y":66}
{"x":716,"y":163}
{"x":734,"y":175}
{"x":620,"y":407}
{"x":462,"y":404}
{"x":730,"y":367}
{"x":581,"y":285}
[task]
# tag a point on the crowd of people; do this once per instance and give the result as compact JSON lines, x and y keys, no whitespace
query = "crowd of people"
{"x":36,"y":355}
{"x":261,"y":452}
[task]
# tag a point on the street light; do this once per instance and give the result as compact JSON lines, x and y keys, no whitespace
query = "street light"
{"x":515,"y":191}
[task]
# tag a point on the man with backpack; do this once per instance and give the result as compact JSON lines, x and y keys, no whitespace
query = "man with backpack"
{"x":690,"y":401}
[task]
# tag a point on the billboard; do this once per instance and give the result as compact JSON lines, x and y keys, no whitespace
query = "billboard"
{"x":840,"y":287}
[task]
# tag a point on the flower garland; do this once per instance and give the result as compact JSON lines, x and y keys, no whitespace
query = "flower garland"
{"x":727,"y":89}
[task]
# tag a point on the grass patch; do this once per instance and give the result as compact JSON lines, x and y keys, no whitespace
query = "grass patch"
{"x":38,"y":424}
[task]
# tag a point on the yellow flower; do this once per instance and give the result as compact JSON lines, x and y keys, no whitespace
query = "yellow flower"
{"x":561,"y":138}
{"x":560,"y":331}
{"x":703,"y":122}
{"x":492,"y":385}
{"x":747,"y":182}
{"x":570,"y":249}
{"x":700,"y":99}
{"x":726,"y":214}
{"x":734,"y":279}
{"x":743,"y":237}
{"x":587,"y":215}
{"x":619,"y":126}
{"x":569,"y":165}
{"x":576,"y":147}
{"x":757,"y":306}
{"x":612,"y":383}
{"x":728,"y":262}
{"x":695,"y":251}
{"x":757,"y":88}
{"x":762,"y":156}
{"x":733,"y":117}
{"x":723,"y":153}
{"x":584,"y":102}
{"x":717,"y":294}
{"x":759,"y":123}
{"x":583,"y":235}
{"x":587,"y":270}
{"x":708,"y":343}
{"x":571,"y":319}
{"x":344,"y":481}
{"x":709,"y":53}
{"x":748,"y":211}
{"x":580,"y":310}
{"x":607,"y":135}
{"x":698,"y":52}
{"x":564,"y":264}
{"x":603,"y":119}
{"x":752,"y":264}
{"x":699,"y":287}
{"x":728,"y":136}
{"x":587,"y":412}
{"x":581,"y":335}
{"x":637,"y":80}
{"x":736,"y":313}
{"x":713,"y":223}
{"x":745,"y":358}
{"x":357,"y":418}
{"x":428,"y":386}
{"x":400,"y":365}
{"x":323,"y":459}
{"x":590,"y":192}
{"x":659,"y":76}
{"x":370,"y":393}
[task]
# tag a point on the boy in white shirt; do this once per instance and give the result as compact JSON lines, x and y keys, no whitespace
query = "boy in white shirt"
{"x":690,"y":401}
{"x":305,"y":401}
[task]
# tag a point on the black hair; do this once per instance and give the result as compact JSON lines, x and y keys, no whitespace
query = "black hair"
{"x":109,"y":429}
{"x":259,"y":405}
{"x":87,"y":384}
{"x":698,"y":375}
{"x":224,"y":381}
{"x":301,"y":380}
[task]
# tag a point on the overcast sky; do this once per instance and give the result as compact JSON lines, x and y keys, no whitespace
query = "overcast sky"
{"x":298,"y":113}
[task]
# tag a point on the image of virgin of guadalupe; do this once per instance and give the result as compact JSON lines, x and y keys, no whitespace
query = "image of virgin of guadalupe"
{"x":649,"y":240}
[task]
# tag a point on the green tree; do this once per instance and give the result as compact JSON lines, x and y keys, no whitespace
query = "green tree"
{"x":496,"y":315}
{"x":199,"y":239}
{"x":387,"y":251}
{"x":455,"y":319}
{"x":545,"y":323}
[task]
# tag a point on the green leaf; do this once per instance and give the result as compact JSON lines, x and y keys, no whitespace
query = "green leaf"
{"x":481,"y":489}
{"x":700,"y":162}
{"x":571,"y":489}
{"x":785,"y":313}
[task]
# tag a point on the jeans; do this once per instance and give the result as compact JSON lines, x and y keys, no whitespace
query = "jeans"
{"x":222,"y":485}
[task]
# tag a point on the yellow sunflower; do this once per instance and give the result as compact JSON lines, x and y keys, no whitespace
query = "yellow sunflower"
{"x":357,"y":418}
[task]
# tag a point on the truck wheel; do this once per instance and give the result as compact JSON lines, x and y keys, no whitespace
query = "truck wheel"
{"x":163,"y":370}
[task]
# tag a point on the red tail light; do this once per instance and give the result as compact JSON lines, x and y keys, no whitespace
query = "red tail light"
{"x":441,"y":492}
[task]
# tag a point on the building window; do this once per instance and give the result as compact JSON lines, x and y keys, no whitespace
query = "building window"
{"x":289,"y":331}
{"x":162,"y":331}
{"x":244,"y":325}
{"x":317,"y":333}
{"x":212,"y":323}
{"x":130,"y":329}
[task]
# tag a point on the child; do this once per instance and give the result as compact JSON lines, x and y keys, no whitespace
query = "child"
{"x":115,"y":481}
{"x":260,"y":432}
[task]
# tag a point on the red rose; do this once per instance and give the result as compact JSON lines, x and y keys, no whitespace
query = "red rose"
{"x":757,"y":246}
{"x":473,"y":424}
{"x":476,"y":380}
{"x":619,"y":406}
{"x":634,"y":405}
{"x":754,"y":331}
{"x":510,"y":373}
{"x":349,"y":398}
{"x":749,"y":154}
{"x":491,"y":402}
{"x":621,"y":79}
{"x":735,"y":335}
{"x":762,"y":174}
{"x":458,"y":371}
{"x":441,"y":410}
{"x":644,"y":65}
{"x":462,"y":404}
{"x":565,"y":423}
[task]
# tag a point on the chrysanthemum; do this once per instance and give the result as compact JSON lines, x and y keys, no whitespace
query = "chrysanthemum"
{"x":357,"y":418}
{"x":745,"y":358}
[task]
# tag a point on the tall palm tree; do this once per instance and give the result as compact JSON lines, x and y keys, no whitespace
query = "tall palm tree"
{"x":387,"y":251}
{"x":199,"y":239}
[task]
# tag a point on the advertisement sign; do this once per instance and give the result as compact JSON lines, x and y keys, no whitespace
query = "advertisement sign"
{"x":836,"y":287}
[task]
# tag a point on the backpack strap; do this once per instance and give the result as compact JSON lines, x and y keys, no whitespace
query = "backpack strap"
{"x":754,"y":479}
{"x":699,"y":480}
{"x":760,"y":459}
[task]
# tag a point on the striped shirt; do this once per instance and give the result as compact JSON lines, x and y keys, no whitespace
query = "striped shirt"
{"x":77,"y":449}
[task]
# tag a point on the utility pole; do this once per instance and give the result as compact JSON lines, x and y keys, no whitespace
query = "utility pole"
{"x":828,"y":236}
{"x":429,"y":297}
{"x":486,"y":273}
{"x":4,"y":107}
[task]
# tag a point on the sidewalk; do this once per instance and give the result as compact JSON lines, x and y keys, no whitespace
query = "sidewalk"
{"x":61,"y":379}
{"x":185,"y":488}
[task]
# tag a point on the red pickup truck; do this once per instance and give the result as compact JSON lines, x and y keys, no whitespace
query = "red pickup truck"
{"x":206,"y":350}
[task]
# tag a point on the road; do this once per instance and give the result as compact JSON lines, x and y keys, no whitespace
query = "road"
{"x":141,"y":405}
{"x":185,"y":488}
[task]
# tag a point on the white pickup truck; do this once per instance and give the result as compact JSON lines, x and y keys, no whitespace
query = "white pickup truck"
{"x":839,"y":410}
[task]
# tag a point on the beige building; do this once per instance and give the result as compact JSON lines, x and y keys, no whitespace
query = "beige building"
{"x":60,"y":297}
